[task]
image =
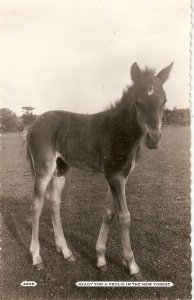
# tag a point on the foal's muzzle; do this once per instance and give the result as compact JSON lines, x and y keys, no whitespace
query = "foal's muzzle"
{"x":152,"y":139}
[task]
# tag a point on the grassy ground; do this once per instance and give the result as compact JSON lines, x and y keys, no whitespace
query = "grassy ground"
{"x":158,"y":194}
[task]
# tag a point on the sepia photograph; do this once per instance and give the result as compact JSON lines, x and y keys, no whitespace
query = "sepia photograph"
{"x":95,"y":150}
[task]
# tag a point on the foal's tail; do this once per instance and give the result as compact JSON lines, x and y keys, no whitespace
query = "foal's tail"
{"x":26,"y":134}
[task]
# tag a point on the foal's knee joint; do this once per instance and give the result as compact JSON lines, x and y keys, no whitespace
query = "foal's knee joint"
{"x":55,"y":205}
{"x":37,"y":205}
{"x":109,"y":215}
{"x":124,"y":220}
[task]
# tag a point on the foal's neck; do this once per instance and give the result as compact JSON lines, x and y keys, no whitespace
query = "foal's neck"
{"x":125,"y":117}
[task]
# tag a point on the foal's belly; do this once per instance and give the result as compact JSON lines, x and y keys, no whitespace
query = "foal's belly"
{"x":80,"y":159}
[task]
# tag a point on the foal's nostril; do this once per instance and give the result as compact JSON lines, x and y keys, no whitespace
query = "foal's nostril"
{"x":151,"y":136}
{"x":152,"y":139}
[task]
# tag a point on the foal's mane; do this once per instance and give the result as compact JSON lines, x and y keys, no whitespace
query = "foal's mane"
{"x":147,"y":75}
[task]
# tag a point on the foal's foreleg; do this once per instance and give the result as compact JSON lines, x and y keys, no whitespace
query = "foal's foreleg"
{"x":108,"y":216}
{"x":117,"y":184}
{"x":55,"y":190}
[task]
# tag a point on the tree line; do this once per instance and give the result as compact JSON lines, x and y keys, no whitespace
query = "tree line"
{"x":10,"y":122}
{"x":177,"y":116}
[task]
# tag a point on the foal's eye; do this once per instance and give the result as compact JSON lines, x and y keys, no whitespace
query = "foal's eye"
{"x":150,"y":90}
{"x":138,"y":103}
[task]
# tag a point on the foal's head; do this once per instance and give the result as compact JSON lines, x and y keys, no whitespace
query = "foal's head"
{"x":150,"y":99}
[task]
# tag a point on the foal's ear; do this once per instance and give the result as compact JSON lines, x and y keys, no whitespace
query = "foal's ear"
{"x":135,"y":72}
{"x":164,"y":74}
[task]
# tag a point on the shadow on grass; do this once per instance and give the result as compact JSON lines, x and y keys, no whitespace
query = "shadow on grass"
{"x":15,"y":218}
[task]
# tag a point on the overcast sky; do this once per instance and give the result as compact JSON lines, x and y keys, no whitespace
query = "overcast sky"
{"x":76,"y":55}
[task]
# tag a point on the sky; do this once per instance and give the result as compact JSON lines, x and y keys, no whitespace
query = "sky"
{"x":76,"y":55}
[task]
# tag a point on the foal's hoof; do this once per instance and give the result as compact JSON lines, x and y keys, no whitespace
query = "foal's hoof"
{"x":39,"y":266}
{"x":103,"y":268}
{"x":71,"y":258}
{"x":138,"y":276}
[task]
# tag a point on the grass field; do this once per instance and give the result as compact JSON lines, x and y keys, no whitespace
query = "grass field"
{"x":158,"y":195}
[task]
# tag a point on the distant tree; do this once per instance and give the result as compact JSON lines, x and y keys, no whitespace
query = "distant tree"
{"x":27,"y":109}
{"x":8,"y":120}
{"x":28,"y":117}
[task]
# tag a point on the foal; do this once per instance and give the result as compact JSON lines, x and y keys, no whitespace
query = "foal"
{"x":106,"y":142}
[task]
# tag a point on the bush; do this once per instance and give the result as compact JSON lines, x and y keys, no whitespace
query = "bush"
{"x":8,"y":120}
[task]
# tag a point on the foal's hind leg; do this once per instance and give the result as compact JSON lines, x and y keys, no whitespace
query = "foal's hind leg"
{"x":108,"y":216}
{"x":55,"y":190}
{"x":40,"y":187}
